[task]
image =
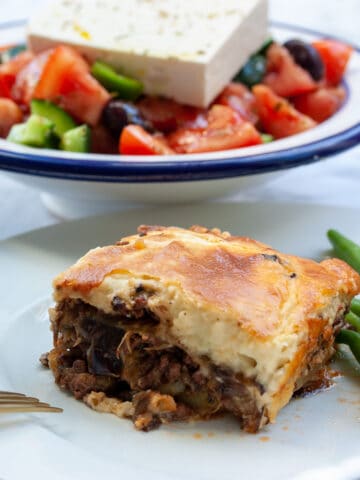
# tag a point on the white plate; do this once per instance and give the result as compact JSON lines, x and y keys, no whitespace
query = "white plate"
{"x":95,"y":183}
{"x":315,"y":432}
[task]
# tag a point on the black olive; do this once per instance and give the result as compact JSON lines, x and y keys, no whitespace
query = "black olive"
{"x":117,"y":114}
{"x":307,"y":57}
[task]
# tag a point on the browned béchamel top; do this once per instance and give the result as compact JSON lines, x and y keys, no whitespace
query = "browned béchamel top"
{"x":226,"y":272}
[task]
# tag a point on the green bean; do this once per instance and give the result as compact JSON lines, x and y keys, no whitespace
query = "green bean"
{"x":355,"y":306}
{"x":348,"y":251}
{"x":345,"y":249}
{"x":352,"y":339}
{"x":354,"y":320}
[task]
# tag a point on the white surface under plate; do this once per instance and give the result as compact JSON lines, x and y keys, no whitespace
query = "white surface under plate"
{"x":77,"y":184}
{"x":321,"y":431}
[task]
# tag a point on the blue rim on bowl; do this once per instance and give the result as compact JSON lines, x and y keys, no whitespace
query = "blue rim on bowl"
{"x":112,"y":168}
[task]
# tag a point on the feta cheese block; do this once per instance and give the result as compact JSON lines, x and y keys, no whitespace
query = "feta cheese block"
{"x":187,"y":50}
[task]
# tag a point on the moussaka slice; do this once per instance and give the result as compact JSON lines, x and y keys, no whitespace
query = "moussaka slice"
{"x":174,"y":324}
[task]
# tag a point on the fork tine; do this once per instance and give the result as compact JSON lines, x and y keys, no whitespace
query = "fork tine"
{"x":24,"y":402}
{"x":28,"y":409}
{"x":11,"y":398}
{"x":12,"y":394}
{"x":12,"y":402}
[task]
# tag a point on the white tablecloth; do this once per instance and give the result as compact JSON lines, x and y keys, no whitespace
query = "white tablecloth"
{"x":335,"y":181}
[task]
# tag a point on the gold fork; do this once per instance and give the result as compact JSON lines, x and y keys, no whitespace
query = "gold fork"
{"x":11,"y":402}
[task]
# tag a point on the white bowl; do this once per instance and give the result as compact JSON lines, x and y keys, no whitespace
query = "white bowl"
{"x":84,"y":183}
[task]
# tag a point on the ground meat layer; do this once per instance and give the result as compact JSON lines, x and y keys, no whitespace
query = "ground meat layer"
{"x":118,"y":364}
{"x":115,"y":363}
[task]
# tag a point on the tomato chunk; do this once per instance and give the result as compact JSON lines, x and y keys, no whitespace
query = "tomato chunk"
{"x":226,"y":130}
{"x":220,"y":116}
{"x":321,"y":104}
{"x":9,"y":71}
{"x":167,"y":115}
{"x":335,"y":56}
{"x":10,"y":114}
{"x":284,"y":76}
{"x":27,"y":78}
{"x":134,"y":140}
{"x":66,"y":80}
{"x":235,"y":136}
{"x":277,"y":116}
{"x":240,"y":99}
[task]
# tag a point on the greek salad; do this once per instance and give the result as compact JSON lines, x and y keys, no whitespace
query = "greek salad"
{"x":57,"y":100}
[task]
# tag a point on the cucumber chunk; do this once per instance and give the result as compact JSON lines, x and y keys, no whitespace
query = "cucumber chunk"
{"x":12,"y":52}
{"x":35,"y":132}
{"x":76,"y":140}
{"x":127,"y":88}
{"x":61,"y":120}
{"x":266,"y":138}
